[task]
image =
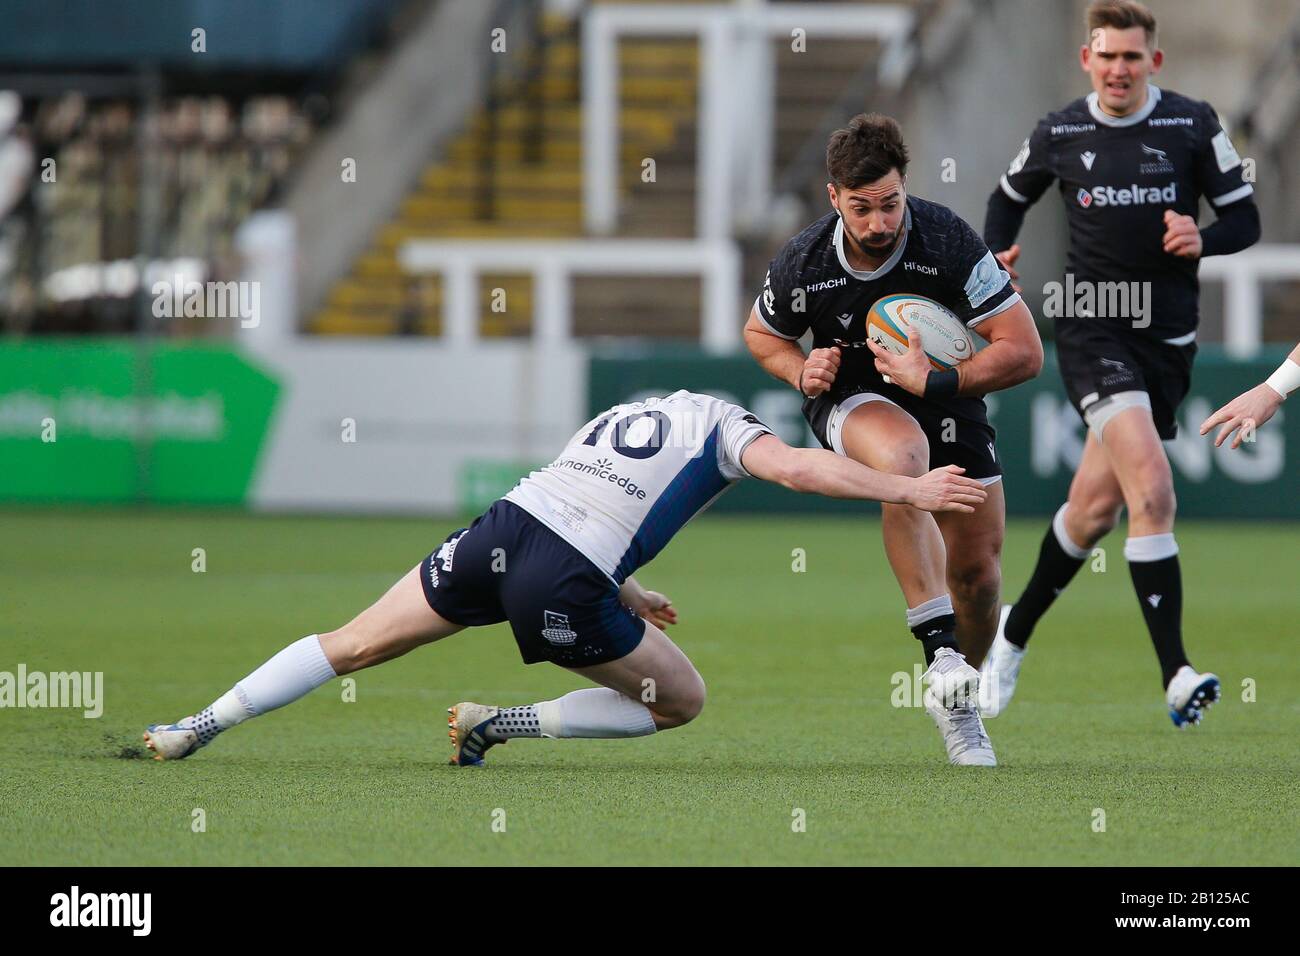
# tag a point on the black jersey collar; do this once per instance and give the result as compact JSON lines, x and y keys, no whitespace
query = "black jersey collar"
{"x":884,"y":267}
{"x":1101,"y":116}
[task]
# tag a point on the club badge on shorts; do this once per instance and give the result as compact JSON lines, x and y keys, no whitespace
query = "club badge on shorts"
{"x":556,"y":629}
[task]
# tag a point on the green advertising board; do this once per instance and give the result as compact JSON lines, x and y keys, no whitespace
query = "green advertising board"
{"x":1040,"y":437}
{"x":112,"y":420}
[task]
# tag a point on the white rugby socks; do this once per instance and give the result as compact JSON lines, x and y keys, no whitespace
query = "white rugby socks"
{"x":302,"y":667}
{"x":294,"y":672}
{"x":594,"y":712}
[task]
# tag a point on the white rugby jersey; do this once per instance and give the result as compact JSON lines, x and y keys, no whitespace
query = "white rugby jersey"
{"x":632,"y":476}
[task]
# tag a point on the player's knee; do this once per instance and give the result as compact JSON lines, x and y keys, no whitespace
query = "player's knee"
{"x":976,"y":585}
{"x":1096,"y":516}
{"x":1156,"y":505}
{"x":683,"y":706}
{"x":1156,"y":502}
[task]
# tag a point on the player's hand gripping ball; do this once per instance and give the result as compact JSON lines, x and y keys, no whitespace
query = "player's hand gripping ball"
{"x":910,"y":335}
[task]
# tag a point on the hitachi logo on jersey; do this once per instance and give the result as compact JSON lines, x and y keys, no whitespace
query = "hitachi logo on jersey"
{"x":828,"y":284}
{"x":1073,"y":128}
{"x":1134,"y":195}
{"x":916,"y":266}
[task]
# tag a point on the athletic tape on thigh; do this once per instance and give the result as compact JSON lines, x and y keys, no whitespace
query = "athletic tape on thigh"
{"x":1099,"y":413}
{"x":840,"y":413}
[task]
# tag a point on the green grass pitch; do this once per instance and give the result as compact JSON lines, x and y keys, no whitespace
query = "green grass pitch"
{"x":799,"y":717}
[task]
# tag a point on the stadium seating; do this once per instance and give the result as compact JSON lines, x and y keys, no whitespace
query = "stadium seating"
{"x":515,"y":173}
{"x":219,"y":159}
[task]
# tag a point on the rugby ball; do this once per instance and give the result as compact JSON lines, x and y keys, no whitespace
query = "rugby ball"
{"x":945,"y":338}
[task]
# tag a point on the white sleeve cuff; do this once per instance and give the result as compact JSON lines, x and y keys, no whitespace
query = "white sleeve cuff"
{"x":740,"y":452}
{"x":1011,"y":193}
{"x":1240,"y":193}
{"x":758,"y":311}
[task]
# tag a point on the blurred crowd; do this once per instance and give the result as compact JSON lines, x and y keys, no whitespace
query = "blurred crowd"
{"x":85,"y":183}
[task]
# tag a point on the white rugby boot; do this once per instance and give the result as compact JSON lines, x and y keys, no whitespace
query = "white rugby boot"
{"x":467,"y":727}
{"x":952,"y":688}
{"x":1000,"y":670}
{"x":1189,"y":695}
{"x":173,"y":741}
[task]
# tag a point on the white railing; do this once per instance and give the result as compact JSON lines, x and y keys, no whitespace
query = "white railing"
{"x":1241,"y":275}
{"x":553,"y":265}
{"x":736,"y":94}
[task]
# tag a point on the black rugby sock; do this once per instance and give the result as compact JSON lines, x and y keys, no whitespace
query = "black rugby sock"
{"x":1158,"y":581}
{"x":934,"y":624}
{"x":1055,"y":569}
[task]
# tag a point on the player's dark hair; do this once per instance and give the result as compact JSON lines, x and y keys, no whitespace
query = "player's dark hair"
{"x":1121,"y":15}
{"x":865,"y":150}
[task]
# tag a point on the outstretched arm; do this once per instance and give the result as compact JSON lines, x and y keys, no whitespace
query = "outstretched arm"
{"x":816,"y":471}
{"x":1251,"y":409}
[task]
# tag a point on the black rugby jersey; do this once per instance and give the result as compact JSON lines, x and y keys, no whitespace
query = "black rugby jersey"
{"x":1117,"y":177}
{"x":810,"y":285}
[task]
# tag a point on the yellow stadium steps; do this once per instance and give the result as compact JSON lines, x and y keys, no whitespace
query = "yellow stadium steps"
{"x":650,"y":56}
{"x":508,"y":176}
{"x":536,"y":192}
{"x":392,"y":236}
{"x":354,"y":294}
{"x":651,"y":123}
{"x":562,"y":150}
{"x":676,"y":91}
{"x":518,"y":205}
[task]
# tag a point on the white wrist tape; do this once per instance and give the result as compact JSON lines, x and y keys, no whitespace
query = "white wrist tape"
{"x":1286,"y":379}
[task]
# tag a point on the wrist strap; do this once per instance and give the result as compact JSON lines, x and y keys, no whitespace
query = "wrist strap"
{"x":1286,"y":379}
{"x":941,"y":384}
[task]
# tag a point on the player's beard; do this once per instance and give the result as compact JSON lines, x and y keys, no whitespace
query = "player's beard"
{"x":882,"y":251}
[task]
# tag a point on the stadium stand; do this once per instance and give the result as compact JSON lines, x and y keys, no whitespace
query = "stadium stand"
{"x":72,"y":254}
{"x":514,"y":172}
{"x":511,"y":171}
{"x":124,"y":152}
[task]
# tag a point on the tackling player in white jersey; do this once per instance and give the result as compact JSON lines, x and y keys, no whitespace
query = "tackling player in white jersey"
{"x":555,"y":559}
